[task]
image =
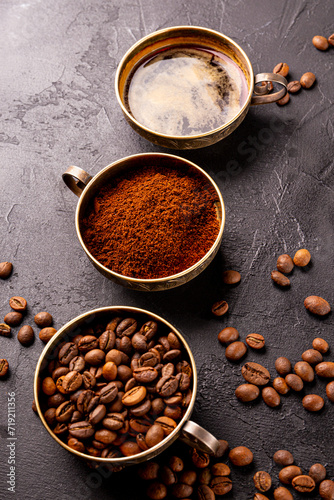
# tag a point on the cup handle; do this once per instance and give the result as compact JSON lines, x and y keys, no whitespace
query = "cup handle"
{"x":194,"y":435}
{"x":76,"y":179}
{"x":265,"y":99}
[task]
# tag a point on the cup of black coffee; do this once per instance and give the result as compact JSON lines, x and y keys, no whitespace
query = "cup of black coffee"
{"x":116,"y":386}
{"x":187,"y":87}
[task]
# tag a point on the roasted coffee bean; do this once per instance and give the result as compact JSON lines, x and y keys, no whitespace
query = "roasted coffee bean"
{"x":204,"y":476}
{"x":320,"y":42}
{"x":184,"y":367}
{"x":222,"y":448}
{"x":87,"y":401}
{"x":281,"y":69}
{"x":235,"y":351}
{"x":330,"y":391}
{"x":43,"y":319}
{"x":130,"y":384}
{"x":173,"y":341}
{"x":5,"y":330}
{"x":227,"y":335}
{"x":188,"y":477}
{"x":108,"y":393}
{"x":81,"y":430}
{"x":168,"y":477}
{"x":280,"y":385}
{"x":149,"y":329}
{"x":320,"y":345}
{"x":284,"y":261}
{"x":184,"y":381}
{"x":317,"y":473}
{"x":283,"y":457}
{"x":303,"y":484}
{"x":255,"y":340}
{"x":174,"y":412}
{"x":88,"y":343}
{"x":72,"y":381}
{"x":176,"y":463}
{"x":46,"y":334}
{"x":287,"y":474}
{"x":156,"y":491}
{"x":95,"y":357}
{"x":59,"y":384}
{"x":145,"y":374}
{"x":231,"y":277}
{"x":97,"y":414}
{"x":307,"y":80}
{"x":255,"y":373}
{"x":77,"y":416}
{"x":77,"y":364}
{"x":204,"y":492}
{"x":142,"y":409}
{"x":262,"y":481}
{"x":157,"y":406}
{"x":326,"y":489}
{"x":48,"y":386}
{"x":304,"y":370}
{"x":109,"y":371}
{"x":105,"y":436}
{"x":65,"y":411}
{"x":107,"y":340}
{"x":126,"y":327}
{"x":330,"y":39}
{"x":171,"y":355}
{"x":67,"y":353}
{"x":26,"y":335}
{"x":150,"y":359}
{"x":129,"y":448}
{"x":271,"y":397}
{"x":313,"y":402}
{"x":60,"y":429}
{"x":325,"y":369}
{"x":220,"y":308}
{"x":282,"y":493}
{"x":282,"y":102}
{"x":4,"y":367}
{"x":168,"y":424}
{"x":293,"y":88}
{"x":312,"y":356}
{"x":18,"y":304}
{"x":124,"y":373}
{"x":115,"y":356}
{"x":56,"y":400}
{"x":199,"y":458}
{"x":59,"y":372}
{"x":283,"y":366}
{"x":154,"y":435}
{"x":167,"y":386}
{"x":168,"y":370}
{"x":221,"y":485}
{"x":76,"y":445}
{"x":13,"y":318}
{"x":241,"y":456}
{"x":294,"y":382}
{"x":134,"y":396}
{"x":302,"y":257}
{"x":259,"y":496}
{"x":113,"y":421}
{"x":139,"y":342}
{"x":6,"y":269}
{"x":279,"y":278}
{"x":149,"y":471}
{"x":220,"y":469}
{"x":247,"y":392}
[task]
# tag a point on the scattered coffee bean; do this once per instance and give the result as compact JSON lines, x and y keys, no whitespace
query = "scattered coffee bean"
{"x":320,"y":345}
{"x":255,"y":340}
{"x":282,"y":493}
{"x":235,"y":351}
{"x":4,"y":367}
{"x":317,"y":305}
{"x":231,"y":277}
{"x":287,"y":474}
{"x":313,"y":402}
{"x":222,"y":448}
{"x":46,"y":334}
{"x":199,"y":458}
{"x":228,"y":334}
{"x":271,"y":397}
{"x":312,"y":356}
{"x":326,"y":489}
{"x":204,"y":492}
{"x":262,"y":481}
{"x":281,"y":69}
{"x":176,"y":464}
{"x":330,"y":391}
{"x":279,"y":278}
{"x":294,"y":382}
{"x":5,"y":269}
{"x":13,"y":318}
{"x":283,"y":457}
{"x":283,"y":101}
{"x":320,"y":42}
{"x":317,"y":473}
{"x":5,"y":330}
{"x":220,"y":485}
{"x":294,"y":87}
{"x":19,"y":304}
{"x":156,"y":491}
{"x":307,"y":80}
{"x":241,"y":456}
{"x":149,"y":471}
{"x":284,"y":261}
{"x":43,"y":319}
{"x":26,"y":335}
{"x":280,"y":385}
{"x":283,"y":365}
{"x":302,"y":257}
{"x":304,"y":370}
{"x":220,"y":308}
{"x":254,"y":373}
{"x":247,"y":392}
{"x":325,"y":369}
{"x":330,"y":40}
{"x":303,"y":484}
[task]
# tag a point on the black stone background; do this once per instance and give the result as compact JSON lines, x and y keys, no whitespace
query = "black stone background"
{"x":58,"y":107}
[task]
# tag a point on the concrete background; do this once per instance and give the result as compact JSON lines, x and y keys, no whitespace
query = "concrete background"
{"x":58,"y":108}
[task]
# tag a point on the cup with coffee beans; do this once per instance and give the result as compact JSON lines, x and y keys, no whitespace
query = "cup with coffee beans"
{"x":117,"y":385}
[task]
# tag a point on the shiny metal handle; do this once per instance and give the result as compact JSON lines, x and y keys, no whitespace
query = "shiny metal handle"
{"x":197,"y":437}
{"x":76,"y":179}
{"x":269,"y":77}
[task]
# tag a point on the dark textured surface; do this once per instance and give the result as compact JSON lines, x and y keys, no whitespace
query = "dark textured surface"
{"x":58,"y":108}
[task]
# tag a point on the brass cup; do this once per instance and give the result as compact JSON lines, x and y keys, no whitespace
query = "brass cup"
{"x":83,"y":185}
{"x":180,"y":36}
{"x":186,"y":430}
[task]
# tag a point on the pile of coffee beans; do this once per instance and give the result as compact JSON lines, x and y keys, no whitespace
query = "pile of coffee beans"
{"x":322,"y":43}
{"x":117,"y":388}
